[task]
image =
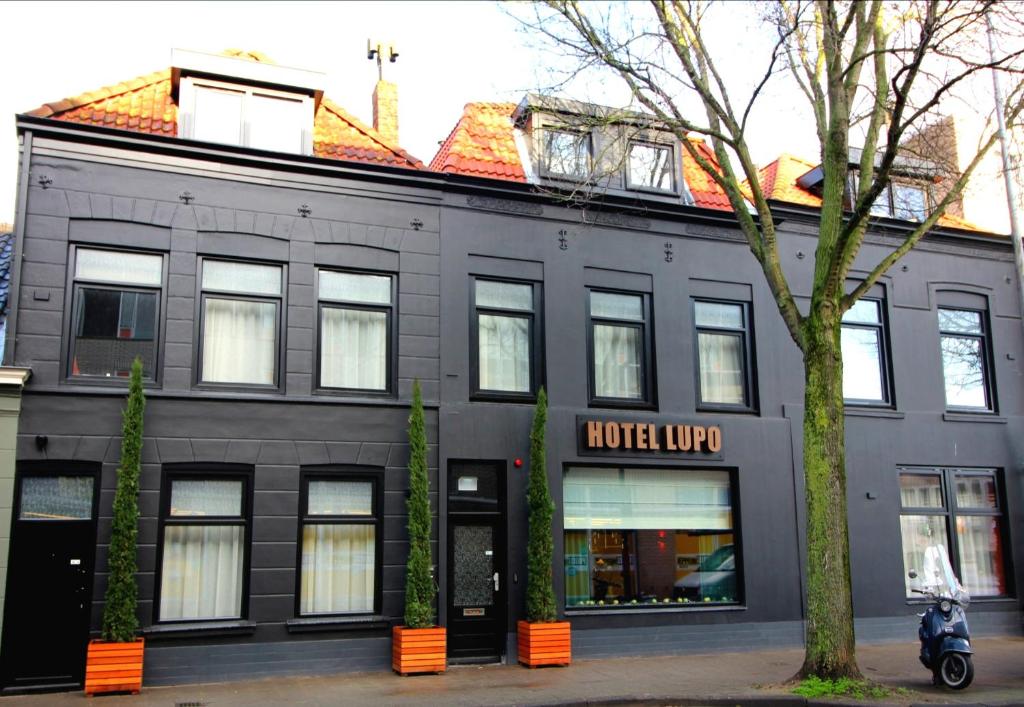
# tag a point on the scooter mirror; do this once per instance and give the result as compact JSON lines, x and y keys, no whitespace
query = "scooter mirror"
{"x":912,"y":574}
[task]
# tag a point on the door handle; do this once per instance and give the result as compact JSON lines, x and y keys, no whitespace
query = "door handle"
{"x":497,"y":582}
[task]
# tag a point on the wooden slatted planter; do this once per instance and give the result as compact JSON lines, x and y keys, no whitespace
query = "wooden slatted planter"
{"x":114,"y":667}
{"x":419,"y":650}
{"x":544,"y":643}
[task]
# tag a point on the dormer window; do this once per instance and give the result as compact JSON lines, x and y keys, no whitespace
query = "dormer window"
{"x":908,"y":202}
{"x":566,"y":153}
{"x":233,"y":114}
{"x":650,"y":167}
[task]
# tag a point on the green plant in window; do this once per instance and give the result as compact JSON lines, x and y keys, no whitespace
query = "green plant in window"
{"x":540,"y":591}
{"x":119,"y":620}
{"x":419,"y":582}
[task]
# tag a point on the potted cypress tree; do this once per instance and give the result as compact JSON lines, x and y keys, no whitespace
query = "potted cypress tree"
{"x":114,"y":663}
{"x":542,"y":638}
{"x":419,"y":646}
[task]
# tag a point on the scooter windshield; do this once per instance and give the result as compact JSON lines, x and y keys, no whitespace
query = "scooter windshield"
{"x":938,"y":577}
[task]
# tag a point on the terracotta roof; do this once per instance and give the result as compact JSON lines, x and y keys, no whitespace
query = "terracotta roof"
{"x":145,"y":105}
{"x":482,"y":144}
{"x":778,"y":182}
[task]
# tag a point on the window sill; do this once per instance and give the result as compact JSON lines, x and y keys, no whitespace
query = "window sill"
{"x":865,"y":411}
{"x":640,"y":609}
{"x":622,"y":404}
{"x":987,"y":417}
{"x":974,"y":601}
{"x":310,"y":624}
{"x":485,"y":397}
{"x":727,"y":410}
{"x":199,"y":628}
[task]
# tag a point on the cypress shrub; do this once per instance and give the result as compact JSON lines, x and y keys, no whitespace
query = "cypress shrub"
{"x":119,"y":620}
{"x":540,"y":592}
{"x":419,"y":582}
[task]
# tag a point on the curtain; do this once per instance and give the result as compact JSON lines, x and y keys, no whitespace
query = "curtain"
{"x":918,"y":534}
{"x":862,"y":377}
{"x":353,"y":349}
{"x":616,"y":361}
{"x":721,"y":368}
{"x":338,"y":568}
{"x":981,"y":564}
{"x":202,"y":572}
{"x":239,"y":338}
{"x":504,"y":344}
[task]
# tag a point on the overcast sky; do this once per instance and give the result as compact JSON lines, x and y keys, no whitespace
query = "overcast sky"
{"x":451,"y":53}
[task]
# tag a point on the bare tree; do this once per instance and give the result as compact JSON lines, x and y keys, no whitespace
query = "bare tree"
{"x":878,"y":71}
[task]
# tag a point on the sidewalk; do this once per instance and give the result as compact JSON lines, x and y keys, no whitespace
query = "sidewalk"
{"x":721,"y":678}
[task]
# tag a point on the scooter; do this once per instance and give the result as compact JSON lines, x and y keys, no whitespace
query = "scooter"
{"x":945,"y":640}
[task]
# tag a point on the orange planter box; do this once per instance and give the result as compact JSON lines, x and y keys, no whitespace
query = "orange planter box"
{"x":419,"y":650}
{"x":544,"y":644}
{"x":114,"y":667}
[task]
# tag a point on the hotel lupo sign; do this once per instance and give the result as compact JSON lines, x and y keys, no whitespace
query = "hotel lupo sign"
{"x":617,"y":437}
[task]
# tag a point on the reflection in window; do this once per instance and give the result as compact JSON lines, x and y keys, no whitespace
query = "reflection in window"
{"x":863,"y":349}
{"x":567,"y":153}
{"x":645,"y":537}
{"x":963,"y":343}
{"x":650,"y":166}
{"x":909,"y":202}
{"x":116,"y":303}
{"x":970,"y":529}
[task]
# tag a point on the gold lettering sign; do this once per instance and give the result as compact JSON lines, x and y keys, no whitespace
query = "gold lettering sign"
{"x":642,"y":436}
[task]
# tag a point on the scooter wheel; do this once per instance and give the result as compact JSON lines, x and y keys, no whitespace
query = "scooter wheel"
{"x":956,"y":670}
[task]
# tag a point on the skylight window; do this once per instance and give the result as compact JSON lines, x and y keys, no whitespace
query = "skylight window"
{"x":214,"y":111}
{"x":651,"y":166}
{"x":567,"y":154}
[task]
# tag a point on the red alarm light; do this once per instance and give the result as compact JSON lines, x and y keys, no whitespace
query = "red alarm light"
{"x":517,"y":463}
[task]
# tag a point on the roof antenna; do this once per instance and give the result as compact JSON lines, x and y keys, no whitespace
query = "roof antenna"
{"x":378,"y":48}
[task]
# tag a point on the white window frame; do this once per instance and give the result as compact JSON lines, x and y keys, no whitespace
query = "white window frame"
{"x":187,"y":108}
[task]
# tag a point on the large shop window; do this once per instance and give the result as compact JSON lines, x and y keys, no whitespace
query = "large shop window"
{"x":356,"y":315}
{"x":964,"y":342}
{"x":865,"y":373}
{"x":241,"y":306}
{"x":205,"y":520}
{"x":723,"y":349}
{"x":115,"y":315}
{"x":962,"y":511}
{"x":649,"y":537}
{"x":340,"y":543}
{"x":620,"y":347}
{"x":505,"y":338}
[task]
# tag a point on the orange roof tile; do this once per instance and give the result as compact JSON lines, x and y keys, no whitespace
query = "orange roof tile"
{"x":145,"y":105}
{"x":482,"y":144}
{"x":778,"y":182}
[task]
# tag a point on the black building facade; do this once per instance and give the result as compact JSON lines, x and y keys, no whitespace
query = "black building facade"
{"x":272,"y":537}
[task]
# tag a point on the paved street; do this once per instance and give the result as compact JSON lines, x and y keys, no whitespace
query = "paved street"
{"x":722,"y":679}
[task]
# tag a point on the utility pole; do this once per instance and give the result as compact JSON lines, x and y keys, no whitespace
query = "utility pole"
{"x":1008,"y":176}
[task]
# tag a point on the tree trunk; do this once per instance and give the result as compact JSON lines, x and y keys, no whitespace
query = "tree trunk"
{"x":830,"y":651}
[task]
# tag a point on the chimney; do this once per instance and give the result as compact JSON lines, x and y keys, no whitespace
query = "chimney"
{"x":385,"y":110}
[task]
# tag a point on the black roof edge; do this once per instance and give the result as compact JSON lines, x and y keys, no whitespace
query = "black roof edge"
{"x":423,"y":178}
{"x":892,"y":226}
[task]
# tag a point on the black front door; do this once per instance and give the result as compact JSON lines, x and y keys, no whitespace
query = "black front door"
{"x":50,"y":575}
{"x":476,"y":561}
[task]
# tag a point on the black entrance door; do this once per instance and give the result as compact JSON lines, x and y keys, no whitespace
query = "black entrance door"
{"x":476,"y":561}
{"x":49,"y":578}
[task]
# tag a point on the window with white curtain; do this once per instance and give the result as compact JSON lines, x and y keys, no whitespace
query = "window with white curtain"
{"x":962,"y":511}
{"x":115,"y":313}
{"x":504,"y":339}
{"x":356,"y":312}
{"x":203,"y":545}
{"x":241,"y":306}
{"x":725,"y":369}
{"x":865,"y":374}
{"x":619,"y":347}
{"x":340,"y":540}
